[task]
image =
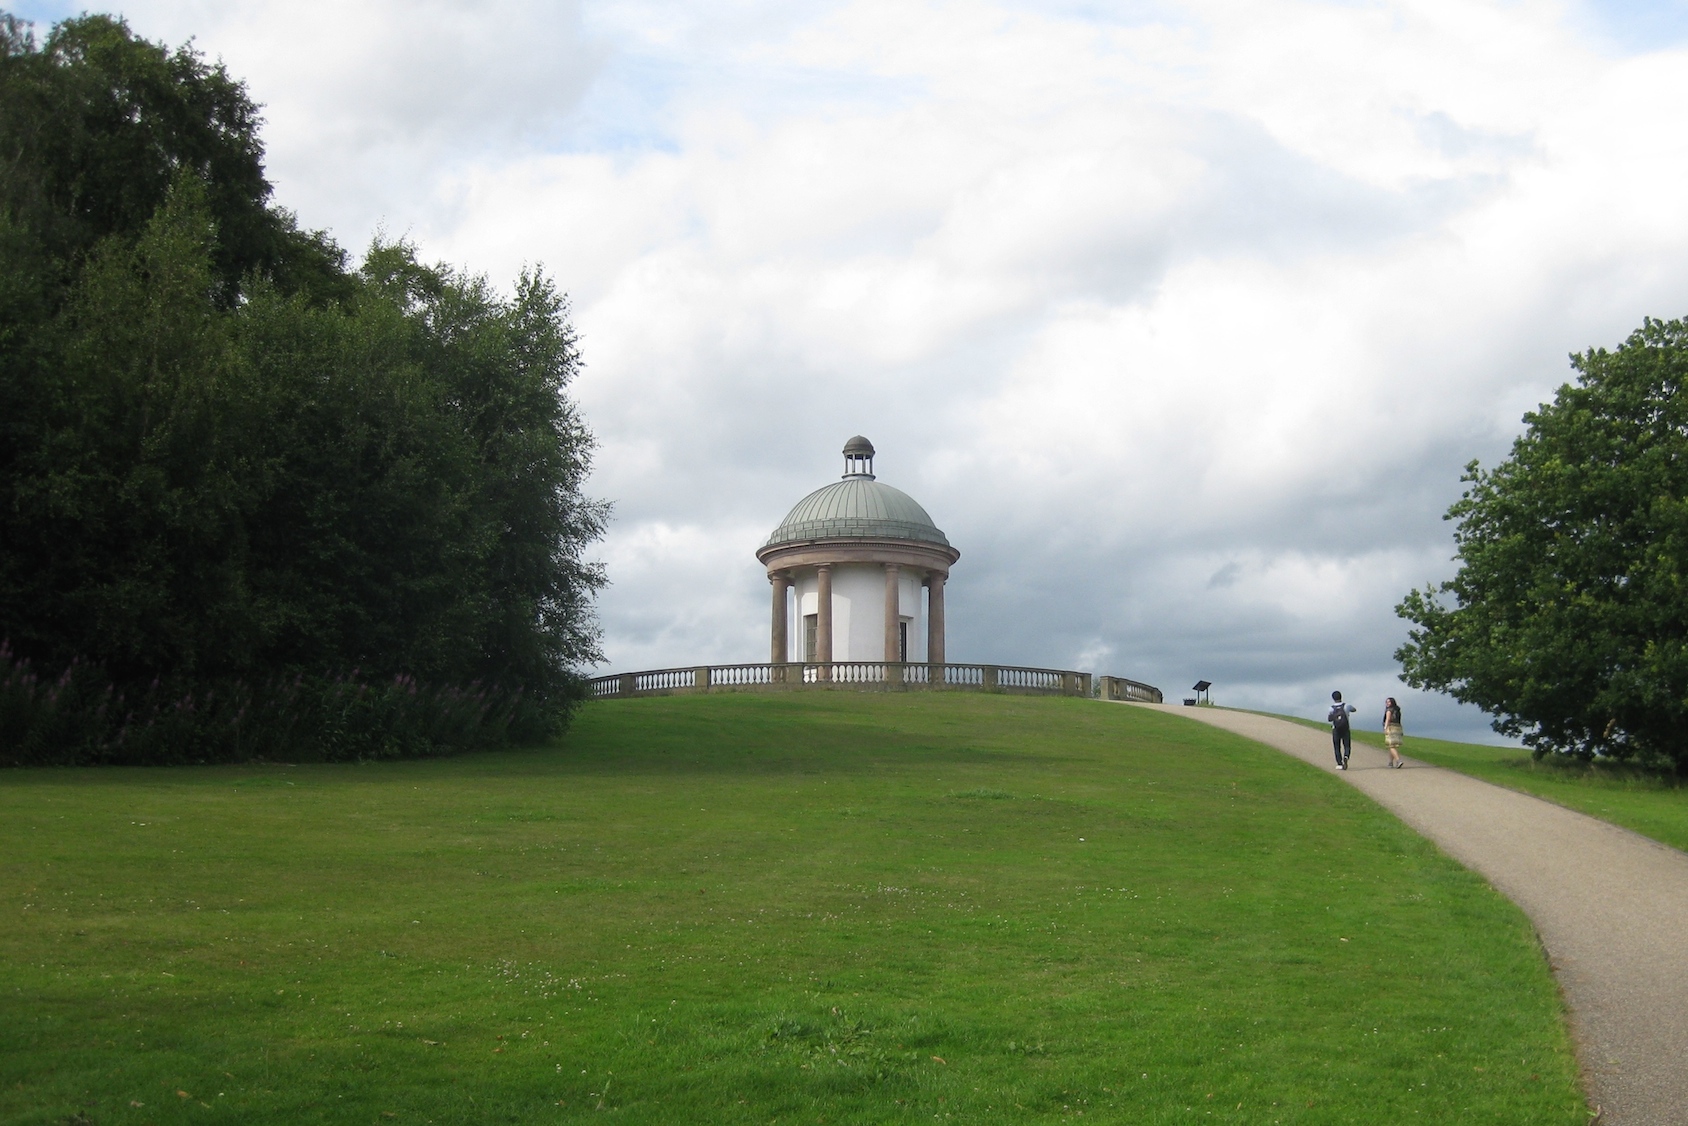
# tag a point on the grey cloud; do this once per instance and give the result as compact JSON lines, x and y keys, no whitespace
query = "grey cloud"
{"x":1456,"y":140}
{"x":1266,"y":199}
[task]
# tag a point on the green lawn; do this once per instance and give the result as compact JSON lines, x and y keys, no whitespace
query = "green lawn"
{"x":1652,"y":806}
{"x":807,"y":908}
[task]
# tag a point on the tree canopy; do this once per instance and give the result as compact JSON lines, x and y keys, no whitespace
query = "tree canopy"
{"x":229,"y":463}
{"x":1569,"y":612}
{"x":97,"y":125}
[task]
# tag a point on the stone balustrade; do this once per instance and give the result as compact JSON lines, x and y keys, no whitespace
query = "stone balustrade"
{"x":1119,"y":688}
{"x":870,"y":676}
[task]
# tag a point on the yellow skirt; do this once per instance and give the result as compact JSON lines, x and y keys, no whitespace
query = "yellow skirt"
{"x":1392,"y":735}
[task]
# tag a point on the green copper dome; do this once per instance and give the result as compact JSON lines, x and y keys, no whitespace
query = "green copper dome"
{"x":857,"y":508}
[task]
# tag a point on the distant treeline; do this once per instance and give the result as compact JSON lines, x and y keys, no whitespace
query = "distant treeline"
{"x":254,"y":501}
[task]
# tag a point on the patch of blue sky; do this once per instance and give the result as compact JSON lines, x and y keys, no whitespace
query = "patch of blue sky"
{"x":628,"y":108}
{"x":1635,"y":26}
{"x":648,"y":82}
{"x":44,"y":13}
{"x":1627,"y":26}
{"x":1112,"y":13}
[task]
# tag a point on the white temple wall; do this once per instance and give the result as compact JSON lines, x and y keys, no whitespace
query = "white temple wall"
{"x":803,"y":600}
{"x":858,"y":615}
{"x":858,"y":612}
{"x":912,"y":605}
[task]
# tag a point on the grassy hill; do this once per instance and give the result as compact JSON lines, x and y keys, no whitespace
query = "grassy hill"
{"x":783,"y":908}
{"x":1652,"y":803}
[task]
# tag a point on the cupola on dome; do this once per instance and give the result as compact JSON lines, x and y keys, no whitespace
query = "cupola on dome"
{"x":857,"y":508}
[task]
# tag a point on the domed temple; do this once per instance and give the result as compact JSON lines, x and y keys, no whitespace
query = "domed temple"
{"x":848,"y":565}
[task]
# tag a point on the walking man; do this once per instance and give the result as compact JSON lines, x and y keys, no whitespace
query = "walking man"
{"x":1341,"y":737}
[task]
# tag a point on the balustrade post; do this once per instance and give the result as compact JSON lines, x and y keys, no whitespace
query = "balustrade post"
{"x":629,"y":684}
{"x":700,"y":678}
{"x":989,"y":678}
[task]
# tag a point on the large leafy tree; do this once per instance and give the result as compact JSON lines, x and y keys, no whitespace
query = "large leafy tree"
{"x":228,"y":460}
{"x":1568,"y":618}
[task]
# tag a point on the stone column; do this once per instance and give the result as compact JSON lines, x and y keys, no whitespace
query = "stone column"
{"x":935,"y":619}
{"x":779,"y":651}
{"x":893,"y":612}
{"x":823,"y":620}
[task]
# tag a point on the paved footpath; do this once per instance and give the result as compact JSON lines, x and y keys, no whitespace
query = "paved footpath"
{"x":1611,"y":908}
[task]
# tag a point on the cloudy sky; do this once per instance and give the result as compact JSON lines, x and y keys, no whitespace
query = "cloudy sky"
{"x":1181,"y":319}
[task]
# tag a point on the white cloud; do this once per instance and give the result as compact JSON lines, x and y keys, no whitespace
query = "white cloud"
{"x":367,"y":104}
{"x":1181,"y":322}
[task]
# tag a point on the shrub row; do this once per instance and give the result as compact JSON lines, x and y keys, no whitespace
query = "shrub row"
{"x":78,"y":716}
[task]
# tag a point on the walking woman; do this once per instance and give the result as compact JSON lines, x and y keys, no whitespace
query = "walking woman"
{"x":1392,"y":732}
